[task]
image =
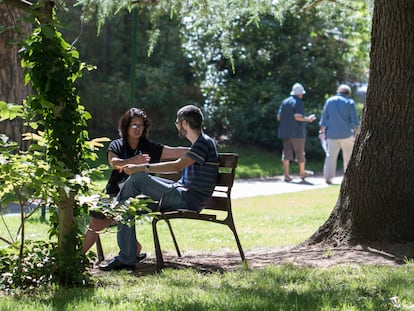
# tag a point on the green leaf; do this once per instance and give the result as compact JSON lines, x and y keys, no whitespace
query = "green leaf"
{"x":48,"y":31}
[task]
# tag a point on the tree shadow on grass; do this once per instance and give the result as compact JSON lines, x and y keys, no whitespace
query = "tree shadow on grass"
{"x":316,"y":256}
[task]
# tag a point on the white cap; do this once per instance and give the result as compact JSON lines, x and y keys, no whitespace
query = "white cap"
{"x":297,"y":89}
{"x":344,"y":89}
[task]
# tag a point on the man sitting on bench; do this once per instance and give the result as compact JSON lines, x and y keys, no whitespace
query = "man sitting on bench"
{"x":199,"y":175}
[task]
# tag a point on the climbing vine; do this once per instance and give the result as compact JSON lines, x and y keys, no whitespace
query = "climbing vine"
{"x":52,"y":66}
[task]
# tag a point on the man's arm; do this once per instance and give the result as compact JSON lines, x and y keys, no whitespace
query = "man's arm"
{"x":301,"y":118}
{"x":173,"y":152}
{"x":163,"y":167}
{"x":115,"y":161}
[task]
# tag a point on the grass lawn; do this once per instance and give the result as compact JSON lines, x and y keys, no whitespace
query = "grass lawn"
{"x":267,"y":221}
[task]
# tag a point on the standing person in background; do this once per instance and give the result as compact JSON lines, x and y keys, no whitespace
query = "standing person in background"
{"x":338,"y":124}
{"x":132,"y":148}
{"x":292,"y":130}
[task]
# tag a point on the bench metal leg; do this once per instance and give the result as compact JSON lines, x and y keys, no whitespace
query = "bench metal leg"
{"x":230,"y":223}
{"x":173,"y":237}
{"x":239,"y":245}
{"x":99,"y":249}
{"x":158,"y":253}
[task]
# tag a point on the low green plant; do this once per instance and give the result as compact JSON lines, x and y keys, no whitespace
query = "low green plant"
{"x":36,"y":267}
{"x":128,"y":212}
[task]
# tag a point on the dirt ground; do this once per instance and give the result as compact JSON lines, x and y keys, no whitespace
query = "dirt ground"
{"x":319,"y":256}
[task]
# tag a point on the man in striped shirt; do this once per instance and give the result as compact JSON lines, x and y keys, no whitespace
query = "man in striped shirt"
{"x":199,"y":168}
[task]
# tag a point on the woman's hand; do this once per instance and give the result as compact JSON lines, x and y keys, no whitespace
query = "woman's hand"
{"x":141,"y":158}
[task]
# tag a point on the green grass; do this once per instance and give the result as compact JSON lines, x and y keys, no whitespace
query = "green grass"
{"x":262,"y":222}
{"x":262,"y":162}
{"x":272,"y":288}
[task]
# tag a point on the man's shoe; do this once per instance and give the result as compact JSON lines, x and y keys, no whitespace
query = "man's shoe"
{"x":306,"y":174}
{"x":329,"y":182}
{"x":141,"y":257}
{"x":115,"y":264}
{"x":288,"y":178}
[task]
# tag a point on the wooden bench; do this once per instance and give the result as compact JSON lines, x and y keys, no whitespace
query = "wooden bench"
{"x":219,"y":202}
{"x":217,"y":209}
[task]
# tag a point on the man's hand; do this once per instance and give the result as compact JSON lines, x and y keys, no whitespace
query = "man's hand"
{"x":311,"y":118}
{"x":322,"y":136}
{"x":130,"y":169}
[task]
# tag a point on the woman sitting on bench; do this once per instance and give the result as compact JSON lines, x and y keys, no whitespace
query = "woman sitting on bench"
{"x":132,"y":148}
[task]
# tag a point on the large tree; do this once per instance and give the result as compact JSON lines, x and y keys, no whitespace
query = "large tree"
{"x":12,"y":88}
{"x":376,"y":201}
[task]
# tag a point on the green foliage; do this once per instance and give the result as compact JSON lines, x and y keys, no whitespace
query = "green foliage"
{"x":129,"y":212}
{"x":164,"y":80}
{"x":58,"y":162}
{"x":25,"y":176}
{"x":29,"y":180}
{"x":240,"y":60}
{"x":38,"y":267}
{"x":269,"y":57}
{"x":10,"y":111}
{"x":52,"y":66}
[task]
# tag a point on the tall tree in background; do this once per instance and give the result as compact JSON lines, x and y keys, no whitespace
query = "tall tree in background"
{"x":12,"y":88}
{"x":376,"y":200}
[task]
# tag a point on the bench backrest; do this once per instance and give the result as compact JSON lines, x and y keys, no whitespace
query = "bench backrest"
{"x":220,"y":199}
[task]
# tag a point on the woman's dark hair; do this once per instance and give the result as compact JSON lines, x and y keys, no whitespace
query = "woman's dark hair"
{"x":125,"y":121}
{"x":192,"y":115}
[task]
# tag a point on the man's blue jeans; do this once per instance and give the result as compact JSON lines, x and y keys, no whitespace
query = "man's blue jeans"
{"x":156,"y":188}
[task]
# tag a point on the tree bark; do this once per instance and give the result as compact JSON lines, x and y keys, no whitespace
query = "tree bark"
{"x":376,"y":200}
{"x":12,"y":88}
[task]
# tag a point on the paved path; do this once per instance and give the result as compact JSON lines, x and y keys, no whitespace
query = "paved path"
{"x":243,"y":188}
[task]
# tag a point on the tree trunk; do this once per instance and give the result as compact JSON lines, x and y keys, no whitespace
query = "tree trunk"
{"x":12,"y":88}
{"x":376,"y":200}
{"x":67,"y":224}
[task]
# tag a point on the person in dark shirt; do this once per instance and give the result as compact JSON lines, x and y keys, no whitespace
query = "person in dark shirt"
{"x":292,"y":130}
{"x":132,"y":148}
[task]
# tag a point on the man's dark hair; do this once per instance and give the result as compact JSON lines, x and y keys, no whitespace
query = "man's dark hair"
{"x":192,"y":115}
{"x":125,"y":121}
